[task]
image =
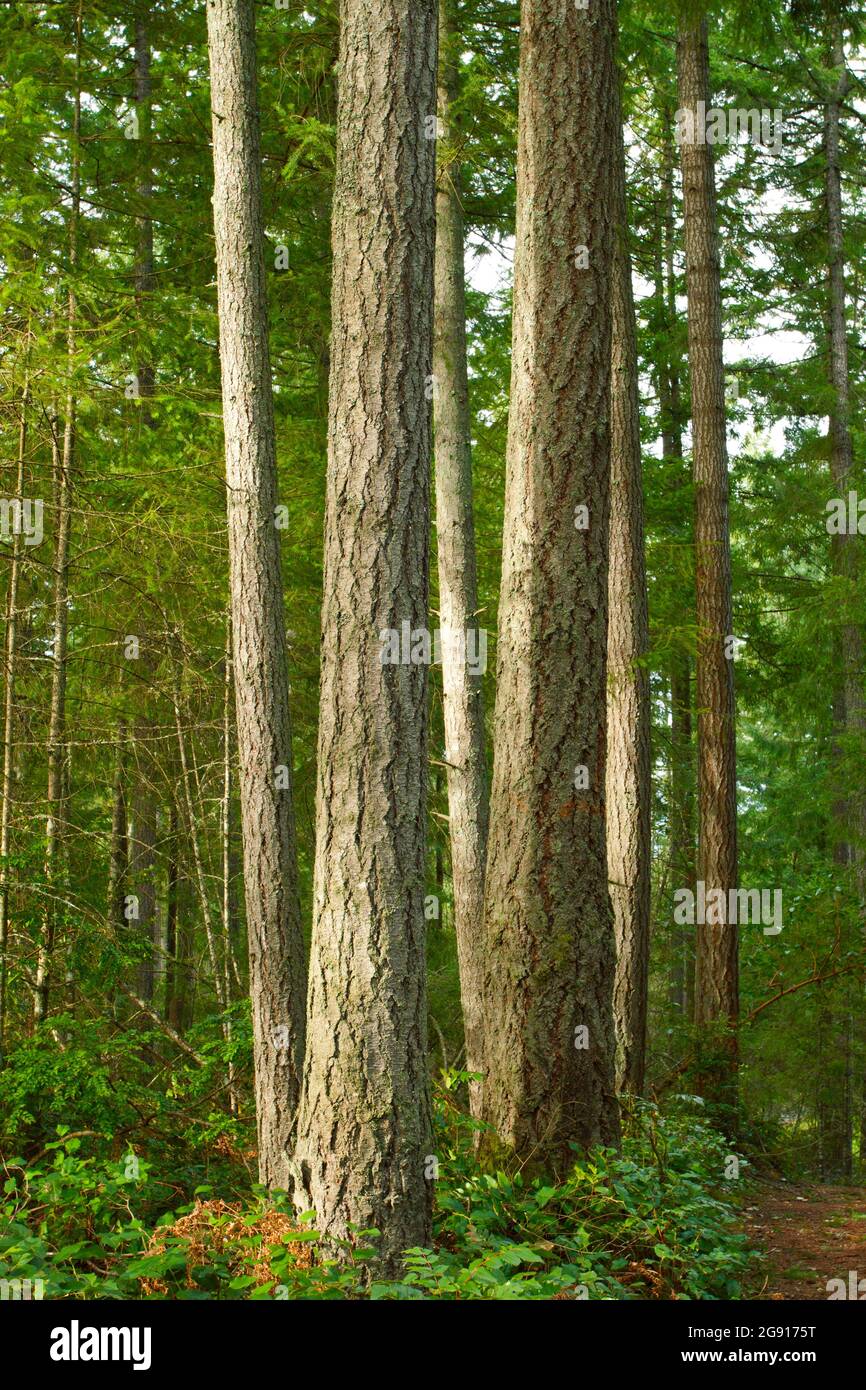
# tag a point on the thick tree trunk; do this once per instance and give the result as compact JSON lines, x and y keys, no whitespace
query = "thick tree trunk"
{"x":549,"y":940}
{"x":276,"y":946}
{"x":364,"y":1149}
{"x":628,"y":709}
{"x":716,"y":982}
{"x":849,"y":715}
{"x":458,"y":589}
{"x":57,"y":748}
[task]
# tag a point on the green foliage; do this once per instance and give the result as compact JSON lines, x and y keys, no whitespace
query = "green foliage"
{"x":654,"y":1221}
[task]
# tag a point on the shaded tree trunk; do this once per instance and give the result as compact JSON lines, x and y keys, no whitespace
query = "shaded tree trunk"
{"x":364,"y":1150}
{"x":549,"y":940}
{"x":682,"y":830}
{"x":178,"y":945}
{"x":458,"y":589}
{"x":716,"y":971}
{"x":669,"y":371}
{"x":628,"y":710}
{"x":849,"y":716}
{"x":118,"y":859}
{"x":142,"y":857}
{"x":57,"y":749}
{"x":10,"y":671}
{"x":276,"y":946}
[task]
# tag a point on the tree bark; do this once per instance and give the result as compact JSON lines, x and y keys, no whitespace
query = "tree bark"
{"x":10,"y":671}
{"x":118,"y":860}
{"x":682,"y":832}
{"x":628,"y":709}
{"x":716,"y":981}
{"x":276,"y":946}
{"x":849,"y":715}
{"x":57,"y":748}
{"x":142,"y":856}
{"x":364,"y":1151}
{"x":549,"y":940}
{"x":458,"y":588}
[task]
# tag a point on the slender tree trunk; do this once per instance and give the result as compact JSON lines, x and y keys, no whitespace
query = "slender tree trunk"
{"x":177,"y":944}
{"x":681,"y":810}
{"x":682,"y":832}
{"x":10,"y":671}
{"x":716,"y":982}
{"x":628,"y":709}
{"x":57,"y":750}
{"x":458,"y":589}
{"x":118,"y":859}
{"x":142,"y":856}
{"x":549,"y":939}
{"x":226,"y":846}
{"x":849,"y":716}
{"x":276,"y":945}
{"x":364,"y":1151}
{"x":144,"y":250}
{"x":193,"y":823}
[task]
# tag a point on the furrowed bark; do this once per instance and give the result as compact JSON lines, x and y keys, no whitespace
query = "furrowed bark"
{"x":364,"y":1150}
{"x":716,"y":971}
{"x":276,"y":946}
{"x":549,"y":940}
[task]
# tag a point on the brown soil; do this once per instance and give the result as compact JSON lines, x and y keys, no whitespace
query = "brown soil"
{"x":809,"y":1235}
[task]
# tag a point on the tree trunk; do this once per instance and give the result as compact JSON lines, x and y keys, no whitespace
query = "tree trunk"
{"x":142,"y":857}
{"x":10,"y":671}
{"x":57,"y":750}
{"x":144,"y":250}
{"x":682,"y":832}
{"x":716,"y":982}
{"x":276,"y":945}
{"x":458,"y":589}
{"x":364,"y":1151}
{"x":549,"y":940}
{"x":628,"y":709}
{"x":118,"y":860}
{"x":681,"y":810}
{"x":849,"y":717}
{"x":177,"y":945}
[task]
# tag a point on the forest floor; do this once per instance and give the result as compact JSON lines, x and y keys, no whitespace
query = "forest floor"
{"x":808,"y":1234}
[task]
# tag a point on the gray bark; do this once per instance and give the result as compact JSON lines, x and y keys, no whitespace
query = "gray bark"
{"x":549,"y":941}
{"x":276,"y":946}
{"x":463,"y":710}
{"x":364,"y":1143}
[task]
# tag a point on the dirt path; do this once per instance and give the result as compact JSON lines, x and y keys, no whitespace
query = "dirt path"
{"x":809,"y":1234}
